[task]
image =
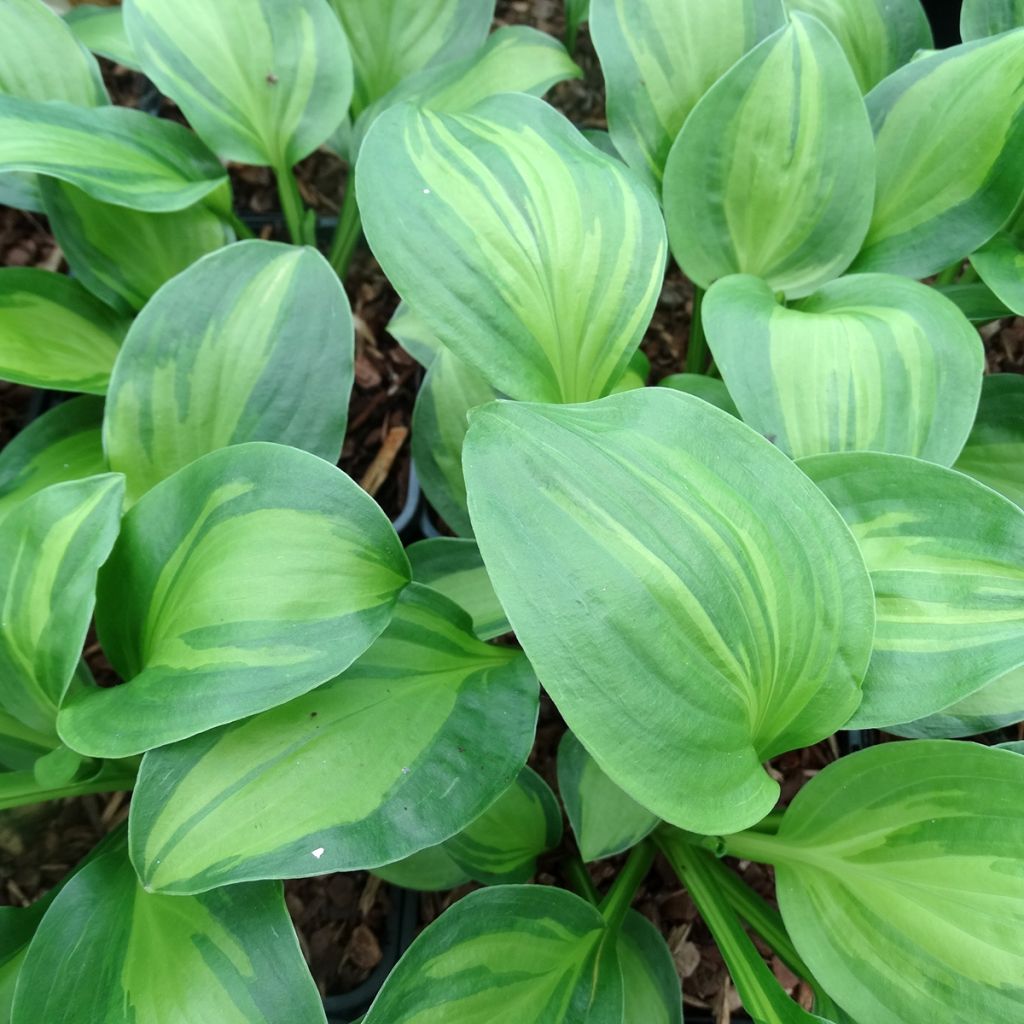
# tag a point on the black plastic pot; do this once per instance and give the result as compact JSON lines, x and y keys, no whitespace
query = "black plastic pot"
{"x":945,"y":18}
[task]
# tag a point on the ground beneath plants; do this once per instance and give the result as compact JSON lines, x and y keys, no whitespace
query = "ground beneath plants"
{"x":344,"y":920}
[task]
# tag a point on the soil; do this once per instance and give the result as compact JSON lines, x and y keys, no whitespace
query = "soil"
{"x":343,"y":920}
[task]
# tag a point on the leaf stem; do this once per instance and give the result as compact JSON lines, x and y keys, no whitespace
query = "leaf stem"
{"x":346,"y":235}
{"x":969,"y":276}
{"x":242,"y":230}
{"x":579,"y":878}
{"x":614,"y":906}
{"x":948,"y":276}
{"x":292,"y":207}
{"x":697,"y":346}
{"x":18,"y":789}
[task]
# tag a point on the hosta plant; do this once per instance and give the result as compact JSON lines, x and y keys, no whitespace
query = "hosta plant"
{"x":814,"y":526}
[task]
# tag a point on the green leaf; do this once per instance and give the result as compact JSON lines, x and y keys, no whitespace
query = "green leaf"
{"x":576,"y":13}
{"x":430,"y":870}
{"x":931,"y":210}
{"x":899,"y":877}
{"x":1000,"y":264}
{"x":252,"y":343}
{"x":429,"y":726}
{"x":945,"y":557}
{"x":878,"y":36}
{"x":981,"y":18}
{"x":109,"y":951}
{"x":994,"y":453}
{"x":54,"y":334}
{"x":261,"y":81}
{"x":870,"y":362}
{"x":51,"y":548}
{"x":532,"y":256}
{"x":992,"y":707}
{"x":710,"y":389}
{"x":453,"y":567}
{"x":391,"y":40}
{"x":117,"y":155}
{"x":40,"y":59}
{"x":659,"y":57}
{"x":516,"y":953}
{"x":20,"y":746}
{"x":605,"y":820}
{"x":650,"y":984}
{"x":101,"y":29}
{"x":63,"y":444}
{"x":514,"y":59}
{"x":692,"y":605}
{"x":976,"y":301}
{"x":22,"y":788}
{"x":248,"y":578}
{"x":406,"y":326}
{"x":449,"y":391}
{"x":503,"y":843}
{"x":123,"y":256}
{"x":771,"y":173}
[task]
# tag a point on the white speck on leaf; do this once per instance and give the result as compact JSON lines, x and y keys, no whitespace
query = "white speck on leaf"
{"x":318,"y":852}
{"x":426,"y":191}
{"x":405,"y":771}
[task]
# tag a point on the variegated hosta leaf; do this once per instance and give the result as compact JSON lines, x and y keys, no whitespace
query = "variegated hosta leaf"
{"x":40,"y":59}
{"x":393,"y":39}
{"x":430,"y":870}
{"x":503,"y":843}
{"x":252,"y":343}
{"x":605,"y":820}
{"x":101,"y":29}
{"x":515,"y":953}
{"x":772,"y":172}
{"x":931,"y":210}
{"x":1000,"y":263}
{"x":109,"y":951}
{"x":692,"y":604}
{"x":439,"y":423}
{"x":514,"y":59}
{"x":946,"y":557}
{"x":869,"y":362}
{"x":650,"y":985}
{"x":248,"y":578}
{"x":994,"y":453}
{"x":659,"y":57}
{"x":981,"y":18}
{"x":117,"y":155}
{"x":900,"y":879}
{"x":878,"y":36}
{"x":406,"y":326}
{"x":262,"y":81}
{"x":51,"y":548}
{"x":21,"y":747}
{"x":63,"y":444}
{"x":992,"y":707}
{"x":54,"y":334}
{"x":123,"y":256}
{"x":23,"y":788}
{"x":976,"y":301}
{"x":710,"y":389}
{"x":532,"y":256}
{"x":453,"y":567}
{"x":428,"y":728}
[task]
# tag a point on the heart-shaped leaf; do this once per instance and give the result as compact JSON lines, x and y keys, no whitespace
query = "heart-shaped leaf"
{"x":771,"y":173}
{"x":659,"y":57}
{"x":429,"y":727}
{"x":229,"y":956}
{"x":946,"y":557}
{"x":248,"y":578}
{"x":931,"y":210}
{"x":532,"y":256}
{"x":994,"y":453}
{"x":63,"y":444}
{"x":261,"y":81}
{"x":981,"y":18}
{"x":252,"y":343}
{"x":638,"y":545}
{"x":51,"y":548}
{"x":900,"y":880}
{"x":54,"y":334}
{"x":870,"y":362}
{"x":878,"y":36}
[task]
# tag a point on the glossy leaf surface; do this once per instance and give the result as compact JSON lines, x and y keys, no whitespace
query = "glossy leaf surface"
{"x":900,"y":880}
{"x":946,"y":557}
{"x":637,"y":545}
{"x":51,"y":548}
{"x":54,"y":334}
{"x":994,"y":453}
{"x":931,"y":210}
{"x":870,"y":362}
{"x":428,"y":728}
{"x":659,"y":57}
{"x":252,"y":343}
{"x":229,"y":956}
{"x":529,"y":254}
{"x":248,"y":578}
{"x":262,"y":81}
